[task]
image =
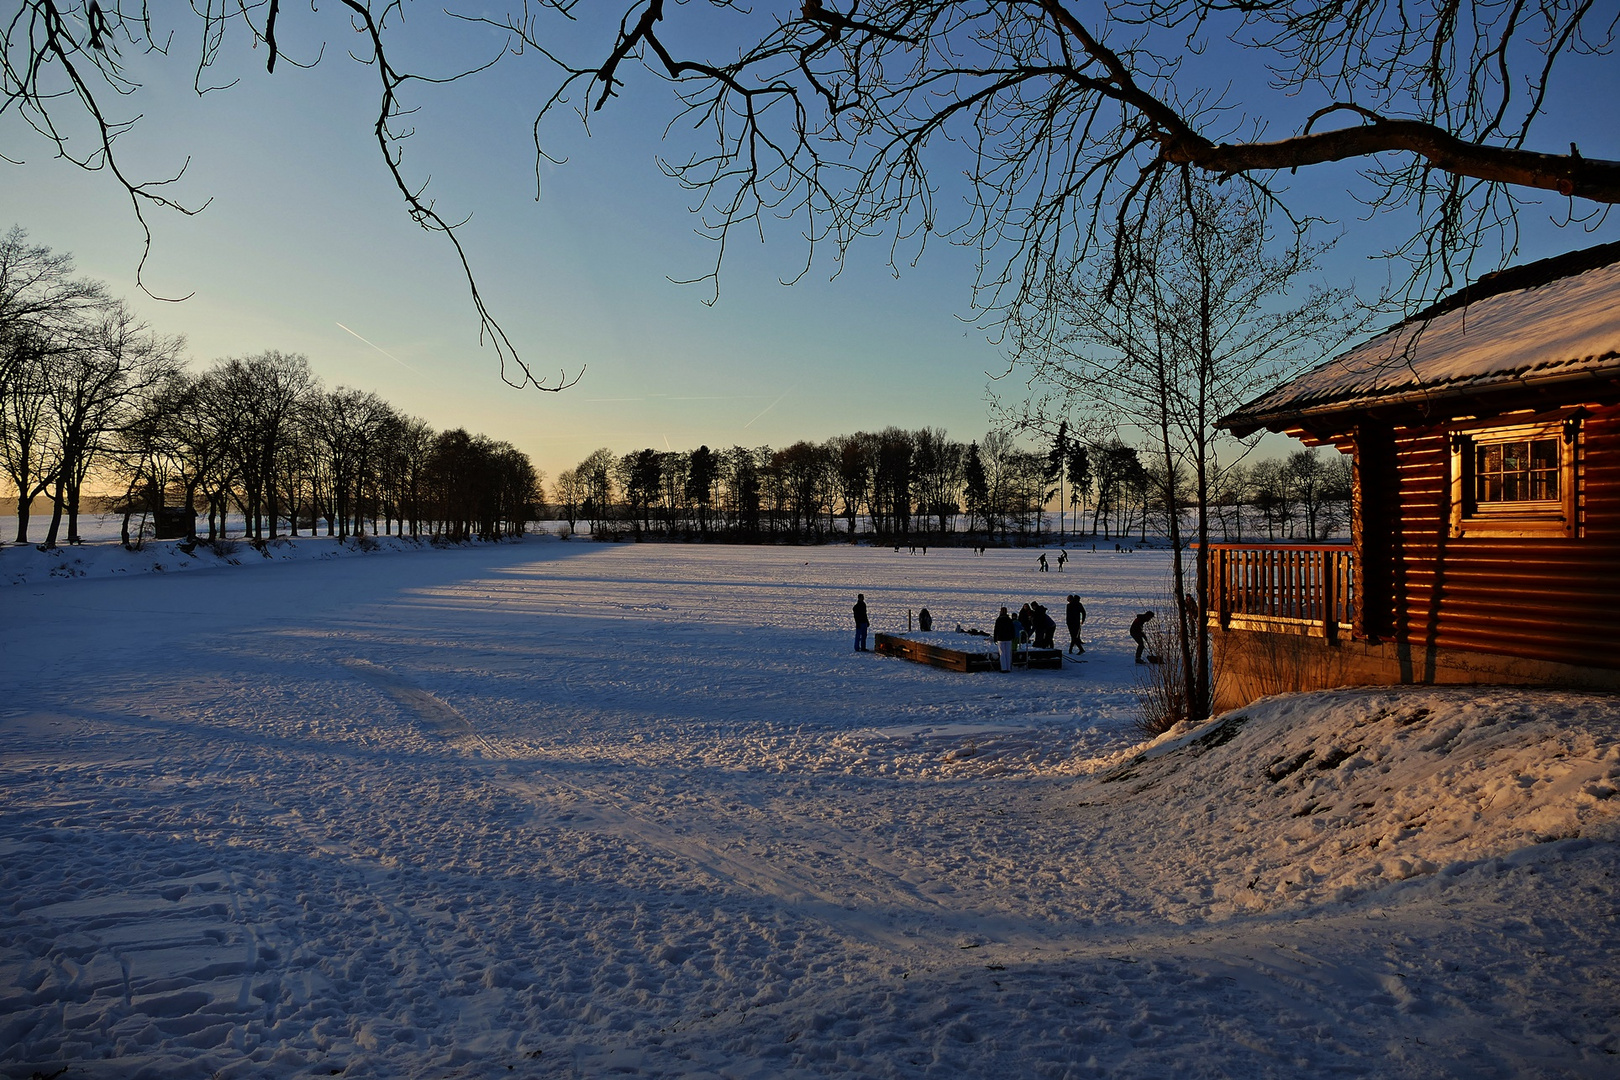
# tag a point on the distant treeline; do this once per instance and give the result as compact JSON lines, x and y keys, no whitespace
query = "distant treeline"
{"x":89,"y":394}
{"x":896,"y":484}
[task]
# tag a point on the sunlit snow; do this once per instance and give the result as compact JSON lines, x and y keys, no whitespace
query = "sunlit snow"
{"x":571,"y":809}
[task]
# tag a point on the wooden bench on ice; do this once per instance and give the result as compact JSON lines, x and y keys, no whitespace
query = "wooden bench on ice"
{"x":974,"y":653}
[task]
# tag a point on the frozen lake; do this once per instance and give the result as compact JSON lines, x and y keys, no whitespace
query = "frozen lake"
{"x":558,"y":809}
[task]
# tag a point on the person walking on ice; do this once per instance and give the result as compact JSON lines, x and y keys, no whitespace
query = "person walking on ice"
{"x":1075,"y":616}
{"x":1139,"y":633}
{"x":860,"y":622}
{"x":1063,"y":557}
{"x":1044,"y":567}
{"x":1005,"y":633}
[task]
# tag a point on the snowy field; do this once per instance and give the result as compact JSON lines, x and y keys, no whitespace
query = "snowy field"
{"x":569,"y":809}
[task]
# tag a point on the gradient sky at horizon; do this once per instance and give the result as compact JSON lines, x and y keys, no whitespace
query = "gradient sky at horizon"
{"x":306,"y":248}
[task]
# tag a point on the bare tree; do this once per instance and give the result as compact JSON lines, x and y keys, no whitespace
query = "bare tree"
{"x":640,"y":475}
{"x":1197,"y":318}
{"x":570,"y":496}
{"x":1077,"y":469}
{"x":892,"y":481}
{"x":847,"y":119}
{"x":1229,"y":492}
{"x":850,"y":120}
{"x":596,"y":473}
{"x":1272,"y":495}
{"x":265,"y":395}
{"x":179,"y":439}
{"x":742,"y":484}
{"x":63,"y":70}
{"x":997,"y":460}
{"x":413,"y":442}
{"x":937,"y":474}
{"x":852,"y":473}
{"x":40,"y":300}
{"x":45,"y":316}
{"x":806,"y":472}
{"x":975,"y":488}
{"x":702,"y":473}
{"x":30,"y":445}
{"x":92,"y":391}
{"x":352,"y":423}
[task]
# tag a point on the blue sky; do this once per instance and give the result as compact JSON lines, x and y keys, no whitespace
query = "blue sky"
{"x":306,"y":236}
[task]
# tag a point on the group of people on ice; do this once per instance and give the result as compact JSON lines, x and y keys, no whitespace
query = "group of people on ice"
{"x":1032,"y":625}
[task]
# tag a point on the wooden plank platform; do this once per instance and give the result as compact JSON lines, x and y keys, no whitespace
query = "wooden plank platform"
{"x":979,"y":658}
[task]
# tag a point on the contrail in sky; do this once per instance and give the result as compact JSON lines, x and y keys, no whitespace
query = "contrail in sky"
{"x":772,"y":405}
{"x":380,"y":349}
{"x":671,"y":397}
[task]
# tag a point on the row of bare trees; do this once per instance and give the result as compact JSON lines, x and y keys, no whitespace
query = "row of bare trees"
{"x":892,"y":483}
{"x":898,"y":485}
{"x":88,"y":392}
{"x":261,"y":435}
{"x":74,"y":362}
{"x":1304,"y":497}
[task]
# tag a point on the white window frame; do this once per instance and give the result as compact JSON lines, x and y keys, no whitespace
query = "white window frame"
{"x":1547,"y":519}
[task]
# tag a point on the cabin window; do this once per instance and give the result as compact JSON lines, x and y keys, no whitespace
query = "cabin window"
{"x":1515,"y":479}
{"x":1516,"y":471}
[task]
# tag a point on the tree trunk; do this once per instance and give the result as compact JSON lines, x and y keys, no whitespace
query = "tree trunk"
{"x":75,"y":487}
{"x":271,"y":502}
{"x":58,"y":498}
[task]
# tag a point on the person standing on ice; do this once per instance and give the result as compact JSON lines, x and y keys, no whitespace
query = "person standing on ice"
{"x":1139,"y":633}
{"x":1044,"y":567}
{"x":860,"y":622}
{"x":1045,"y":628}
{"x":1075,"y":615}
{"x":1006,"y":631}
{"x":925,"y":621}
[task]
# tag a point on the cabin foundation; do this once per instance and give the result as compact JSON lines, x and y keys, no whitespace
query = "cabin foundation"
{"x":1251,"y":664}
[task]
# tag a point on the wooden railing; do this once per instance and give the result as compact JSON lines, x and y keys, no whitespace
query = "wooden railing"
{"x":1293,"y":588}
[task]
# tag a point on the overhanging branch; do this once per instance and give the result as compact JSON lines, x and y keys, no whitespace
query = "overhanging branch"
{"x":1572,"y":174}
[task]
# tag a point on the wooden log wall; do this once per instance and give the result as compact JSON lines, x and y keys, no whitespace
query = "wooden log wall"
{"x":1555,"y":599}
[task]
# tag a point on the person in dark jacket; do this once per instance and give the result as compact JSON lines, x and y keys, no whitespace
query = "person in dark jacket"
{"x":1075,"y":616}
{"x":925,"y":621}
{"x":1045,"y":628}
{"x":1026,"y":623}
{"x":1139,"y":633}
{"x":860,"y":622}
{"x":1005,"y":633}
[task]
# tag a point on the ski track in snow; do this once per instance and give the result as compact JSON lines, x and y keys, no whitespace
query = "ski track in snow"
{"x":566,"y":809}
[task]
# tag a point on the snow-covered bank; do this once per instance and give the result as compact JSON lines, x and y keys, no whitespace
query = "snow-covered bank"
{"x":1314,"y":797}
{"x":555,"y":809}
{"x":102,"y":556}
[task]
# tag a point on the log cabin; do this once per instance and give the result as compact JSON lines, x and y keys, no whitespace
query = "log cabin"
{"x":1485,"y":519}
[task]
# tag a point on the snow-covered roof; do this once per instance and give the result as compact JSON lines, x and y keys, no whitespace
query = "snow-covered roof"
{"x":1530,"y":326}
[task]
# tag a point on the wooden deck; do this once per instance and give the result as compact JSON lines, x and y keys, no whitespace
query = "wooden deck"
{"x":1284,"y":588}
{"x":977,"y":658}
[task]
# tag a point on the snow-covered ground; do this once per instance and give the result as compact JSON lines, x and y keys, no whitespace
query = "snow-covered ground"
{"x":573,"y":809}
